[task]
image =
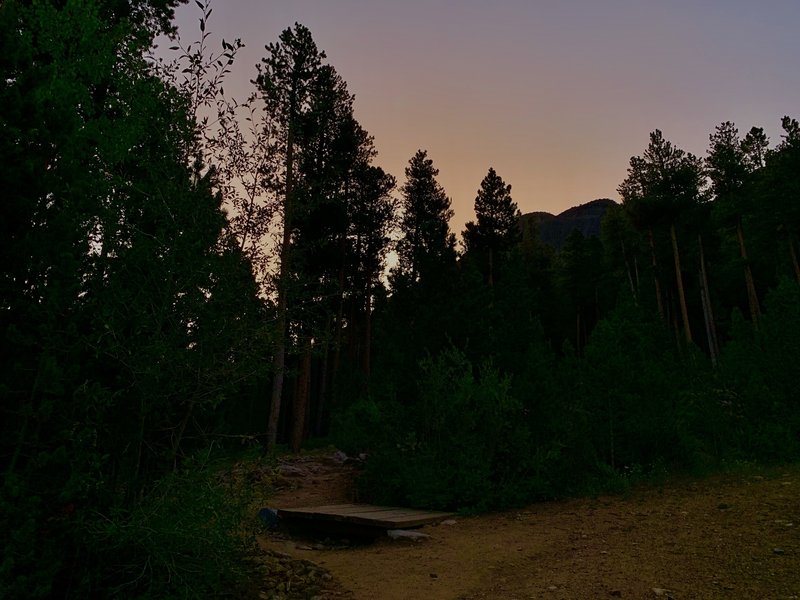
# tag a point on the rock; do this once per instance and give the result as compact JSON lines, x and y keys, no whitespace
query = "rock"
{"x":448,"y":522}
{"x":339,"y":457}
{"x":660,"y":591}
{"x":269,"y":518}
{"x":292,"y":471}
{"x":778,"y":551}
{"x":403,"y":534}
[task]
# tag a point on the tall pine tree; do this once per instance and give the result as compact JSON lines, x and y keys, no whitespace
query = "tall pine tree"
{"x":285,"y":78}
{"x":426,"y":239}
{"x":497,"y":227}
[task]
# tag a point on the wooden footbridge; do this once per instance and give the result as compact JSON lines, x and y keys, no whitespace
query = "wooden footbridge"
{"x":358,"y":519}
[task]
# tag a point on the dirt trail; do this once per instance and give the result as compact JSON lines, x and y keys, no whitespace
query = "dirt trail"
{"x":728,"y":536}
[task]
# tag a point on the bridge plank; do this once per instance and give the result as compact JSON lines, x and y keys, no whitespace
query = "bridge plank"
{"x":379,"y":517}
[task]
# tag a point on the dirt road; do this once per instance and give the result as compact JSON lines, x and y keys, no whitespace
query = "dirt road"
{"x":728,"y":536}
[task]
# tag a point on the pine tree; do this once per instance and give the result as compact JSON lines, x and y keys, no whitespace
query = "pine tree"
{"x":661,"y":185}
{"x":782,"y":189}
{"x":497,"y":228}
{"x":426,"y":239}
{"x":284,"y":79}
{"x":730,"y":165}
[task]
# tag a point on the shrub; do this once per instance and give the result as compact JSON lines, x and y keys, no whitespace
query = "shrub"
{"x":184,"y":538}
{"x":461,"y":445}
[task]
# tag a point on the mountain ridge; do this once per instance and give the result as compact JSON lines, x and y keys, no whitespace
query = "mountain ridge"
{"x":554,"y":229}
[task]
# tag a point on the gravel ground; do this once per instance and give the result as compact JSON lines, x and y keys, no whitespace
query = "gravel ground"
{"x":734,"y":536}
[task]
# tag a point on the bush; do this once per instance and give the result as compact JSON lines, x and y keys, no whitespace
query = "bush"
{"x":760,"y":370}
{"x":462,"y":442}
{"x":183,"y":539}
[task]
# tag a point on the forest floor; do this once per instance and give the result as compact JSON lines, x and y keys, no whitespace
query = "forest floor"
{"x":732,"y":536}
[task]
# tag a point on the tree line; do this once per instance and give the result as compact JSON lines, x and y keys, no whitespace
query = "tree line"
{"x":188,"y":271}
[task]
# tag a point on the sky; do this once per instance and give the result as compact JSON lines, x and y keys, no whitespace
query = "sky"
{"x":555,"y":95}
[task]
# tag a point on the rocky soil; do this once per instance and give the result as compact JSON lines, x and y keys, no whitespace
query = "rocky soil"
{"x":733,"y":536}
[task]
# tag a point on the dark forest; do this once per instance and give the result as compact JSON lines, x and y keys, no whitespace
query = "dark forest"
{"x":188,"y":276}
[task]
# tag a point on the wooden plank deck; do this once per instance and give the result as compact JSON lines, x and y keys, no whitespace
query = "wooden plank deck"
{"x":362,"y":515}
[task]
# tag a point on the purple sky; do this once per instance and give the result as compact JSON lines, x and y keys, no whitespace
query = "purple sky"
{"x":555,"y":95}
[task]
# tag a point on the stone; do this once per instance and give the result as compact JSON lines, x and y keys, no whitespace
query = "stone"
{"x":448,"y":522}
{"x":403,"y":534}
{"x":292,"y":471}
{"x":269,"y":518}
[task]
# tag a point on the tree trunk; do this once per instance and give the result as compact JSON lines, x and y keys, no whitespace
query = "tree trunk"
{"x":301,"y":401}
{"x":628,"y":271}
{"x":752,"y":297}
{"x":279,"y":361}
{"x":337,"y":345}
{"x":367,"y":358}
{"x":676,"y":327}
{"x":687,"y":331}
{"x":708,"y":314}
{"x":655,"y":275}
{"x":491,"y":267}
{"x":323,"y":384}
{"x":611,"y":434}
{"x":795,"y":264}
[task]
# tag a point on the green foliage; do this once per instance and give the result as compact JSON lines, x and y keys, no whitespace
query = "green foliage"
{"x":362,"y":425}
{"x":632,"y":388}
{"x":661,"y":184}
{"x":497,"y":228}
{"x":426,"y":241}
{"x":459,"y":445}
{"x":185,"y":538}
{"x":759,"y":368}
{"x":125,"y":308}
